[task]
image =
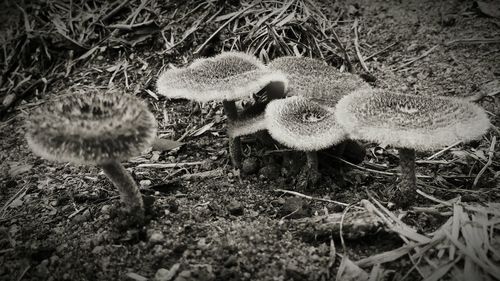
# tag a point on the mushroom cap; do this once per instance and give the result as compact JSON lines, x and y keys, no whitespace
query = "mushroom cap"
{"x":409,"y":121}
{"x":316,"y":80}
{"x":247,"y":126}
{"x":227,"y":76}
{"x":91,"y":128}
{"x":302,"y":124}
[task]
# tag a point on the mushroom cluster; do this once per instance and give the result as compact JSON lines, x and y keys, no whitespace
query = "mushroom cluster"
{"x":307,"y":105}
{"x":293,"y":99}
{"x":95,"y":129}
{"x":304,"y":119}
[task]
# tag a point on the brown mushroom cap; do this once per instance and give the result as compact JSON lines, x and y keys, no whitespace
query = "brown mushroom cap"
{"x":409,"y":121}
{"x":91,"y":128}
{"x":302,"y":124}
{"x":227,"y":76}
{"x":316,"y":80}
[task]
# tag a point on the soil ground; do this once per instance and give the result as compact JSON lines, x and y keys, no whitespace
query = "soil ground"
{"x":62,"y":225}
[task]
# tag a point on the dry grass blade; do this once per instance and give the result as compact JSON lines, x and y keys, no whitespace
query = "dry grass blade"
{"x":220,"y":28}
{"x":169,"y":165}
{"x":313,"y":198}
{"x":455,"y":227}
{"x":386,"y":256}
{"x":399,"y":227}
{"x":60,"y":31}
{"x":432,"y":198}
{"x":282,"y":28}
{"x":356,"y":46}
{"x":443,"y":150}
{"x":423,"y":55}
{"x":376,"y":273}
{"x":441,"y":271}
{"x":493,"y":271}
{"x":467,"y":236}
{"x":491,"y":154}
{"x":348,"y":270}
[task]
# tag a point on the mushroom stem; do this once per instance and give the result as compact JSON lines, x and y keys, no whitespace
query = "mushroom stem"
{"x":310,"y":174}
{"x":312,"y":161}
{"x":408,"y":179}
{"x":234,"y":143}
{"x":340,"y":148}
{"x":123,"y":181}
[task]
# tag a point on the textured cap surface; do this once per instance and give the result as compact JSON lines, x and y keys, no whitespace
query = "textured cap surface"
{"x":302,"y":124}
{"x":409,"y":121}
{"x":91,"y":128}
{"x":227,"y":76}
{"x":247,"y":126}
{"x":314,"y":79}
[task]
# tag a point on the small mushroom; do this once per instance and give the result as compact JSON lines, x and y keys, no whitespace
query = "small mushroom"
{"x":227,"y":77}
{"x":304,"y":125}
{"x":95,"y":129}
{"x":247,"y":125}
{"x":410,"y":123}
{"x":322,"y":85}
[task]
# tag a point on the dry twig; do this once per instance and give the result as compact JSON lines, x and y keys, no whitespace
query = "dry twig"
{"x":491,"y":154}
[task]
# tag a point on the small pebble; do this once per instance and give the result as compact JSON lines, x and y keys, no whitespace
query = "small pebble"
{"x":270,"y":171}
{"x":295,"y":208}
{"x":97,"y":250}
{"x":185,"y":275}
{"x":156,"y":237}
{"x":165,"y":275}
{"x":250,"y":166}
{"x":145,"y":183}
{"x":105,"y":209}
{"x":235,"y":208}
{"x":42,"y":269}
{"x":161,"y":274}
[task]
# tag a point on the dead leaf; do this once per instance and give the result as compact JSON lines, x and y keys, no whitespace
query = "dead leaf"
{"x":17,"y":168}
{"x":386,"y":256}
{"x":491,"y":8}
{"x":349,"y":271}
{"x":491,"y":88}
{"x":441,"y":271}
{"x":19,"y":200}
{"x":203,"y":129}
{"x":136,"y":276}
{"x":165,"y":145}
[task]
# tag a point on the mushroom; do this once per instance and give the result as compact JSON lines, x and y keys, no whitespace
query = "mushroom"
{"x":316,"y":80}
{"x":304,"y":125}
{"x":410,"y":123}
{"x":95,"y":129}
{"x":228,"y":77}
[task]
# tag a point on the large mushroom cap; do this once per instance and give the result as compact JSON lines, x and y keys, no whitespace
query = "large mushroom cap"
{"x":227,"y":76}
{"x":302,"y":124}
{"x":91,"y":128}
{"x":409,"y":121}
{"x":316,"y":80}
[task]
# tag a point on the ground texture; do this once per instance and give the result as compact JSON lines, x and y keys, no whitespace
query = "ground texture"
{"x":58,"y":221}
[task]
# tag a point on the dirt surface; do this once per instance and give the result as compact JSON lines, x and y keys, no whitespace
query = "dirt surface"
{"x":204,"y":222}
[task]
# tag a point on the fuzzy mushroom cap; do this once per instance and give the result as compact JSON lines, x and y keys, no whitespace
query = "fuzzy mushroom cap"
{"x":316,"y":80}
{"x":91,"y":128}
{"x":247,"y":126}
{"x":302,"y":124}
{"x":227,"y":76}
{"x":409,"y":121}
